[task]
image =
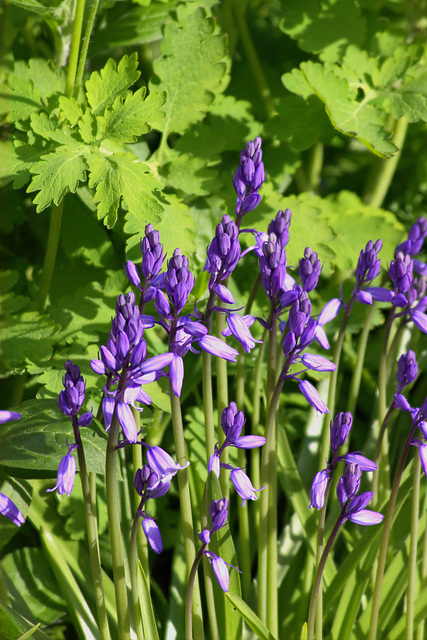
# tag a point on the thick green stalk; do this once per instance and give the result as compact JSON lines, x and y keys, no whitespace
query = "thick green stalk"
{"x":239,"y":7}
{"x":134,"y":578}
{"x":84,"y":47}
{"x":413,"y":548}
{"x":92,"y":536}
{"x":256,"y":412}
{"x":315,"y":165}
{"x":361,"y":351}
{"x":113,"y":510}
{"x":312,"y":611}
{"x":268,"y":458}
{"x":383,"y":461}
{"x":75,"y":47}
{"x":141,"y":540}
{"x":189,"y":595}
{"x":186,"y":511}
{"x":382,"y":171}
{"x":388,"y":520}
{"x":423,"y":576}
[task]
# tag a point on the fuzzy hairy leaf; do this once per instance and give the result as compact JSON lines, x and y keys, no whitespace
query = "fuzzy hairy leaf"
{"x":353,"y":118}
{"x":122,"y":176}
{"x":191,"y":68}
{"x":104,"y":86}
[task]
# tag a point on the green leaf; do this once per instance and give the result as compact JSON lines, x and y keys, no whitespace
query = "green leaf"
{"x":104,"y":86}
{"x":70,"y":109}
{"x":58,"y":172}
{"x":127,"y":120}
{"x":122,"y":176}
{"x":20,"y":492}
{"x":408,"y":100}
{"x":29,"y":338}
{"x":352,"y":118}
{"x":12,"y":624}
{"x":324,"y":27}
{"x":38,"y":441}
{"x":147,"y":613}
{"x":29,"y":633}
{"x":191,"y":175}
{"x":257,"y":626}
{"x":191,"y":68}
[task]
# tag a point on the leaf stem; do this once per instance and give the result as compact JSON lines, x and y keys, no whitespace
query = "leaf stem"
{"x":358,"y":369}
{"x":84,"y":47}
{"x":383,"y":170}
{"x":50,"y":255}
{"x":412,"y":573}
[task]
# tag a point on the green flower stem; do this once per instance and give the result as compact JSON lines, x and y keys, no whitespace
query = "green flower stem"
{"x":208,"y":398}
{"x":383,"y":170}
{"x":395,"y":344}
{"x":423,"y":576}
{"x":84,"y":47}
{"x":412,"y":574}
{"x":222,"y":395}
{"x":361,"y":351}
{"x":388,"y":520}
{"x":134,"y":578}
{"x":324,"y":446}
{"x":312,"y":610}
{"x":256,"y":412}
{"x":239,"y":8}
{"x":113,"y":510}
{"x":383,"y":470}
{"x":268,"y":458}
{"x":92,"y":536}
{"x":210,"y":599}
{"x":50,"y":255}
{"x":315,"y":165}
{"x":186,"y":512}
{"x":75,"y":47}
{"x":141,"y":540}
{"x":189,"y":596}
{"x":378,"y":449}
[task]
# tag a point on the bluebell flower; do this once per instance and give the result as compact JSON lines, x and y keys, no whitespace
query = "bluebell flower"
{"x":309,"y":270}
{"x":152,"y":532}
{"x":243,"y":485}
{"x":8,"y":416}
{"x":248,"y":179}
{"x":66,"y":473}
{"x":407,"y":370}
{"x":152,"y":260}
{"x":318,"y":488}
{"x":9,"y":509}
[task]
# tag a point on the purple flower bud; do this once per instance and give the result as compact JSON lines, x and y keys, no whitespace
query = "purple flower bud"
{"x":401,"y":402}
{"x":217,"y":347}
{"x":204,"y":536}
{"x":360,"y":460}
{"x":317,"y":363}
{"x":251,"y":202}
{"x":214,"y":464}
{"x":240,"y":330}
{"x":218,"y":512}
{"x":152,"y":533}
{"x":243,"y":485}
{"x":162,"y":463}
{"x":364,"y":297}
{"x":132,"y":273}
{"x":127,"y":422}
{"x":368,"y":265}
{"x":407,"y":369}
{"x":423,"y":457}
{"x":420,"y":320}
{"x":7,"y":416}
{"x":219,"y":567}
{"x":66,"y":473}
{"x":249,"y":442}
{"x":400,"y":272}
{"x":318,"y":489}
{"x":309,"y":270}
{"x":380,"y":294}
{"x":108,"y":406}
{"x":176,"y":372}
{"x":311,"y":395}
{"x":340,"y":428}
{"x":289,"y":343}
{"x":223,"y":294}
{"x":7,"y":507}
{"x":85,"y":420}
{"x":329,"y":311}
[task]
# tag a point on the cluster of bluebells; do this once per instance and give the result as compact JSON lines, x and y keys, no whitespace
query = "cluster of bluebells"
{"x":218,"y":512}
{"x":223,"y":254}
{"x":232,"y":422}
{"x":151,"y":482}
{"x":7,"y":507}
{"x":152,"y":261}
{"x":70,"y":401}
{"x":248,"y":179}
{"x":123,"y":361}
{"x":339,"y":430}
{"x":408,"y":279}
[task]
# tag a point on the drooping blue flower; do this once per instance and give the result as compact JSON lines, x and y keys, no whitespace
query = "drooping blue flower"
{"x":318,"y":488}
{"x":340,"y":428}
{"x":152,"y":532}
{"x":66,"y":473}
{"x":9,"y":509}
{"x":8,"y":416}
{"x":243,"y":485}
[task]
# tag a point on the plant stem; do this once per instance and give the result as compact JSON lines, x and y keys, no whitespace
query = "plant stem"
{"x":186,"y":511}
{"x":382,"y":170}
{"x":388,"y":520}
{"x":208,"y":399}
{"x":189,"y":595}
{"x":423,"y":576}
{"x":383,"y":462}
{"x":134,"y":579}
{"x":412,"y":574}
{"x":50,"y":255}
{"x":113,"y":510}
{"x":84,"y":47}
{"x":222,"y":399}
{"x":318,"y":579}
{"x":75,"y":46}
{"x":315,"y":165}
{"x":239,"y":7}
{"x":267,"y":459}
{"x":92,"y":536}
{"x":361,"y":351}
{"x":378,"y":449}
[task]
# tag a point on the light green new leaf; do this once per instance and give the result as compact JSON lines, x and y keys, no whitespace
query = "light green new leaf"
{"x":118,"y":176}
{"x":352,"y":118}
{"x":104,"y":86}
{"x":57,"y":173}
{"x":191,"y":68}
{"x":127,"y":120}
{"x":70,"y":109}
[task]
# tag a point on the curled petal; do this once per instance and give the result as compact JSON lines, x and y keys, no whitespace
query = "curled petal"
{"x":366,"y":517}
{"x":98,"y":366}
{"x":329,"y":311}
{"x":311,"y":394}
{"x":223,"y":293}
{"x":243,"y":485}
{"x":127,"y":422}
{"x":7,"y":416}
{"x":359,"y":503}
{"x":176,"y":371}
{"x":381,"y":294}
{"x":214,"y":464}
{"x":9,"y":508}
{"x":317,"y":363}
{"x":157,"y":362}
{"x":249,"y":442}
{"x":217,"y":347}
{"x":321,"y":337}
{"x":357,"y":458}
{"x":420,"y":320}
{"x":239,"y":328}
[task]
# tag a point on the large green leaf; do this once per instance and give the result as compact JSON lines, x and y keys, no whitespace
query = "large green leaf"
{"x":257,"y":626}
{"x":38,"y":441}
